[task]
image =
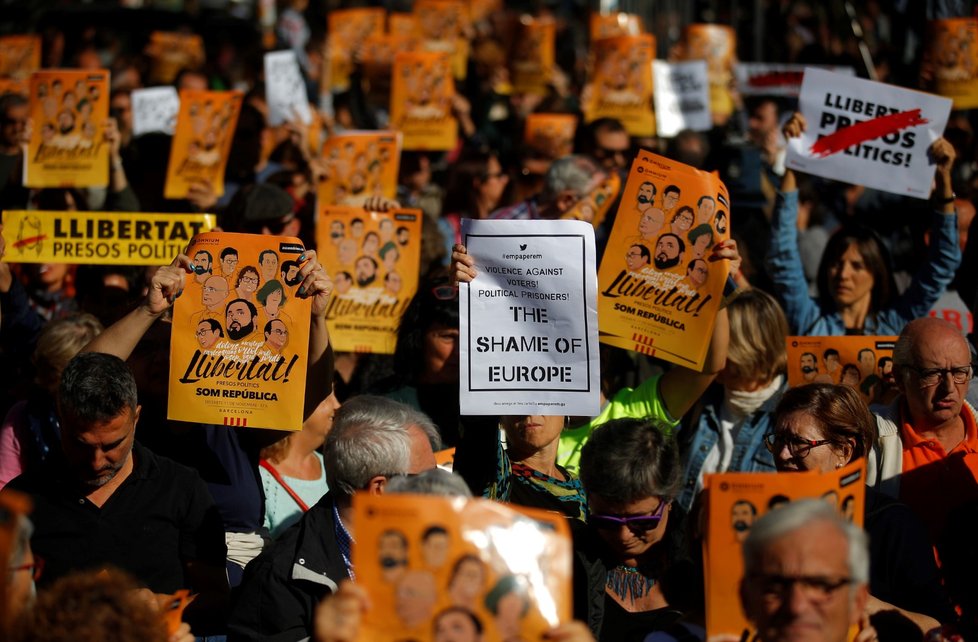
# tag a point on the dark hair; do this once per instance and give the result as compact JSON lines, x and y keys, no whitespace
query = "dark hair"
{"x":368,"y":235}
{"x":210,"y":257}
{"x":268,"y":326}
{"x":251,"y":306}
{"x":214,"y":324}
{"x":883,"y":361}
{"x":460,"y":193}
{"x":245,"y":270}
{"x":11,"y":99}
{"x":705,"y":197}
{"x":424,"y":311}
{"x":851,"y":367}
{"x":684,"y":208}
{"x":875,"y":257}
{"x":507,"y":584}
{"x":744,"y":502}
{"x":655,"y":190}
{"x":869,"y":350}
{"x":777,"y":499}
{"x":468,"y":557}
{"x":831,"y":352}
{"x":628,"y":460}
{"x":262,"y":254}
{"x":96,"y":387}
{"x":703,"y":229}
{"x":644,"y":251}
{"x":810,"y":354}
{"x":670,"y":189}
{"x":268,"y":289}
{"x":228,"y":251}
{"x":433,"y":530}
{"x":682,"y":245}
{"x":840,"y":412}
{"x":286,"y":266}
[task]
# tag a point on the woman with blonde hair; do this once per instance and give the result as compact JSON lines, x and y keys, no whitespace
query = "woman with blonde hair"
{"x":31,"y":428}
{"x":725,"y":430}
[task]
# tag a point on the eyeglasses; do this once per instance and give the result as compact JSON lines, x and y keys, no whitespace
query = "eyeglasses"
{"x":250,"y":279}
{"x":932,"y":376}
{"x":36,"y":569}
{"x":816,"y":588}
{"x":445,"y":292}
{"x":797,"y":446}
{"x":636,"y":523}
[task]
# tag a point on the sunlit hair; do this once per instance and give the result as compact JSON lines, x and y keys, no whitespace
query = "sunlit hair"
{"x":629,"y":460}
{"x":875,"y":256}
{"x":758,"y":328}
{"x":841,"y":414}
{"x":96,"y":387}
{"x":59,"y":342}
{"x":371,"y":437}
{"x":797,"y":515}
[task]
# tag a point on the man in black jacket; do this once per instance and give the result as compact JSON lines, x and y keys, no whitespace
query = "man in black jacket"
{"x":372,"y":440}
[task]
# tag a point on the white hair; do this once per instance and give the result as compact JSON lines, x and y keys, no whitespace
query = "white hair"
{"x":431,"y":482}
{"x":798,"y":514}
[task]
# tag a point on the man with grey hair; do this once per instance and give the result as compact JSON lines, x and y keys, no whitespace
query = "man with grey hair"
{"x":806,"y":574}
{"x":567,"y":181}
{"x":373,"y":439}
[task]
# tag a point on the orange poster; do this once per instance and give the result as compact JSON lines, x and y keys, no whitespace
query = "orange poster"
{"x":533,"y":59}
{"x":20,"y":56}
{"x":734,"y":502}
{"x":202,"y":141}
{"x":657,"y":292}
{"x":436,"y":568}
{"x":172,"y":51}
{"x":348,"y":28}
{"x":550,"y":134}
{"x":864,"y":363}
{"x":421,"y":101}
{"x":717,"y":45}
{"x":594,"y":206}
{"x":612,"y":25}
{"x":374,"y":260}
{"x":621,"y":83}
{"x":480,"y":10}
{"x":444,"y":26}
{"x":402,"y":24}
{"x":359,"y":165}
{"x":240,"y":338}
{"x":13,"y":506}
{"x":66,"y":149}
{"x":952,"y":54}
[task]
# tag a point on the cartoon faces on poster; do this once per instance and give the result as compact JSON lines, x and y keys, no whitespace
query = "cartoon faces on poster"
{"x":68,"y":120}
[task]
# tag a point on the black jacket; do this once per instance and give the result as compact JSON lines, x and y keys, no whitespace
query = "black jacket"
{"x":281,"y":587}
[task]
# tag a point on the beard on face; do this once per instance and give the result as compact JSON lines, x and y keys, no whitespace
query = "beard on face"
{"x":237,"y":331}
{"x":364,"y":281}
{"x":662,"y":262}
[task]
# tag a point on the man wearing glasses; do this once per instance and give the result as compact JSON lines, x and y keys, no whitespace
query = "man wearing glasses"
{"x":928,"y":441}
{"x":806,"y":574}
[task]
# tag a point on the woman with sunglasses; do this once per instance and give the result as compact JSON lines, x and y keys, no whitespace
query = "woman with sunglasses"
{"x":823,"y":427}
{"x":633,"y":550}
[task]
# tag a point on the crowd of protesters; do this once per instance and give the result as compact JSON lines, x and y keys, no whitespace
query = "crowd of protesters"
{"x":257,"y":523}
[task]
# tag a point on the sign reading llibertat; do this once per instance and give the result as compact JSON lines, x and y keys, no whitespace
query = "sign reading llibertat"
{"x":528,"y":321}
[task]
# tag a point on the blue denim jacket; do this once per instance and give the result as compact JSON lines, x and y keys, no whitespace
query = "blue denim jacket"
{"x":695,"y":441}
{"x":805,"y":317}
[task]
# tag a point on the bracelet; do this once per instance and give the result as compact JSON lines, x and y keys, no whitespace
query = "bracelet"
{"x":945,"y":201}
{"x":117,"y":164}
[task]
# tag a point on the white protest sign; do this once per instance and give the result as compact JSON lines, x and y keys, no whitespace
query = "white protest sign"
{"x":285,"y":89}
{"x":155,"y":110}
{"x":868,"y":133}
{"x":529,"y":321}
{"x":682,"y":97}
{"x":774,"y":79}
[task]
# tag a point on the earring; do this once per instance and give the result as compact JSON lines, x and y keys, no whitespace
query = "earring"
{"x":839,"y":465}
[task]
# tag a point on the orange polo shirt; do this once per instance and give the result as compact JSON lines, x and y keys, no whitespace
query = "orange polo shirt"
{"x":935,"y":482}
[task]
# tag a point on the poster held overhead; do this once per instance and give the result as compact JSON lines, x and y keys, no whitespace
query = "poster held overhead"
{"x":867,"y":133}
{"x":682,"y":97}
{"x":528,"y":322}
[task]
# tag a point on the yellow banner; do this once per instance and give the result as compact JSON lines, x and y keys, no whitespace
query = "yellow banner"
{"x":657,"y":292}
{"x":348,"y":29}
{"x":240,"y":338}
{"x":593,"y":206}
{"x":66,"y":149}
{"x":437,"y":566}
{"x":612,"y":25}
{"x":102,"y":238}
{"x":550,"y":134}
{"x":621,"y":83}
{"x":359,"y":165}
{"x":717,"y":45}
{"x":374,"y":260}
{"x":863,"y":363}
{"x":20,"y":56}
{"x":533,"y":58}
{"x":202,"y":141}
{"x":421,"y":101}
{"x":952,"y":54}
{"x":734,"y":502}
{"x":171,"y":52}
